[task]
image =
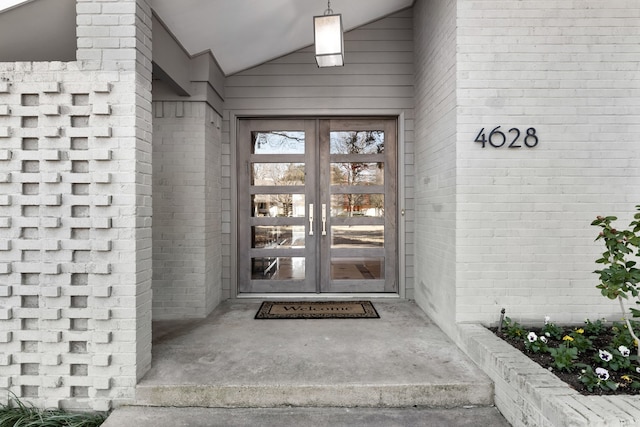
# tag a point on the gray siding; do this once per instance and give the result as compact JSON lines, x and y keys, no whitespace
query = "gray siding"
{"x":376,"y":80}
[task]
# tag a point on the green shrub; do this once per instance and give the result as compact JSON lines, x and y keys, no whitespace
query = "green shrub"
{"x":19,"y":414}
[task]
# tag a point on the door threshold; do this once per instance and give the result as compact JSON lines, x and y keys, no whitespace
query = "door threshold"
{"x":318,"y":297}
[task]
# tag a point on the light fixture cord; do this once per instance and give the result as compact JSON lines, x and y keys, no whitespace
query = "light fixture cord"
{"x":329,"y":11}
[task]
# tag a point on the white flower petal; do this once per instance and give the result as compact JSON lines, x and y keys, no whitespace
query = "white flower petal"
{"x":602,"y":373}
{"x":605,"y":355}
{"x":624,"y":351}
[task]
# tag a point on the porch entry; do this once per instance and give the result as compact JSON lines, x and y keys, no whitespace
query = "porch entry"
{"x":317,"y":206}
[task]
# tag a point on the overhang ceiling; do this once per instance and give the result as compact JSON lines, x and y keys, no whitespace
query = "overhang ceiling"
{"x":239,"y":33}
{"x":245,"y":33}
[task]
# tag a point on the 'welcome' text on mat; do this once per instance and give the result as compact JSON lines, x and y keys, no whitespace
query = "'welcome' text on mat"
{"x":317,"y":310}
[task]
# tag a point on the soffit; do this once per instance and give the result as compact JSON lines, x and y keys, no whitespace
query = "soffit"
{"x":245,"y":33}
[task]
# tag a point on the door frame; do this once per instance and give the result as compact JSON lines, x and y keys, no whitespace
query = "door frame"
{"x":399,"y":116}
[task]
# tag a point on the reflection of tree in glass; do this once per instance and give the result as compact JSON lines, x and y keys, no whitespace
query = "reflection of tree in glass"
{"x":278,"y":174}
{"x":357,"y":142}
{"x":278,"y":142}
{"x":293,"y":176}
{"x":357,"y":173}
{"x":377,"y":201}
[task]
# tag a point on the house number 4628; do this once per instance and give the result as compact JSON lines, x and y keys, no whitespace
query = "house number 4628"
{"x":498,"y":139}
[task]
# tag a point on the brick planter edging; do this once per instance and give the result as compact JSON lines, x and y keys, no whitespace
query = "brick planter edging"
{"x":529,"y":395}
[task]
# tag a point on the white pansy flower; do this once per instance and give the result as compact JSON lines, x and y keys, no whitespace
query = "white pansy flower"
{"x":546,"y":319}
{"x":624,"y":351}
{"x":532,"y":337}
{"x":543,"y":339}
{"x":605,"y":355}
{"x":602,"y":373}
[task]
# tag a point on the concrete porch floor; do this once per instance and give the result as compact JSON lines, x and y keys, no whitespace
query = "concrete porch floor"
{"x":231,"y":360}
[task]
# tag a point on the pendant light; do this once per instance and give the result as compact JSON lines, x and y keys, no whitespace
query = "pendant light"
{"x":328,"y":39}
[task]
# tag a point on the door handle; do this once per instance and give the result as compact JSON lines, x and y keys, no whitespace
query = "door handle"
{"x":324,"y":219}
{"x":310,"y":219}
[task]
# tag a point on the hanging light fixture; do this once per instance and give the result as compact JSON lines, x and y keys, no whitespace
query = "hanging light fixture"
{"x":328,"y":40}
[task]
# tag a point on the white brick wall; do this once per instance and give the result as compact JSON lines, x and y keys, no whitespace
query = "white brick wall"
{"x":570,"y":70}
{"x":435,"y":152}
{"x":75,"y":257}
{"x":186,"y":191}
{"x":500,"y":227}
{"x":213,"y":209}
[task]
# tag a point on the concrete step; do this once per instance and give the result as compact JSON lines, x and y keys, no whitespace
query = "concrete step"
{"x":305,"y":417}
{"x":231,"y":360}
{"x":450,"y":395}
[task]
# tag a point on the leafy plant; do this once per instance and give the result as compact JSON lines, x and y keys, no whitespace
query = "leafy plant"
{"x":598,"y":379}
{"x":511,"y":328}
{"x":619,"y":278}
{"x":615,"y":359}
{"x":578,"y":340}
{"x":552,"y":330}
{"x":629,"y":381}
{"x":535,"y":344}
{"x":563,"y":357}
{"x":594,"y":328}
{"x":621,"y":334}
{"x":19,"y":414}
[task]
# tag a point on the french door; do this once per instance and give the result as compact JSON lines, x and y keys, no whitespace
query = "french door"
{"x":317,"y":206}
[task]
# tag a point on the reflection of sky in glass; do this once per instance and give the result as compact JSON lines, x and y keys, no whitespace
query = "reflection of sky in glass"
{"x":278,"y":142}
{"x":357,"y":142}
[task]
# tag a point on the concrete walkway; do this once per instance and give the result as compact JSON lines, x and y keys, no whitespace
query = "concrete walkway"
{"x":306,"y":371}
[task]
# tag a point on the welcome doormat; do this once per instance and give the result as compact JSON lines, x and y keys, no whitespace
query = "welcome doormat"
{"x":317,"y":310}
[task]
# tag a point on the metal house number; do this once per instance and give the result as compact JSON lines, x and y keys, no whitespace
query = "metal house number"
{"x":498,"y":139}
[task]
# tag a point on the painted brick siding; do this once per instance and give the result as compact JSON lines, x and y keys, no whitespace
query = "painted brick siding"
{"x":75,"y":217}
{"x":435,"y":151}
{"x":569,"y":69}
{"x":377,"y":79}
{"x":186,"y":231}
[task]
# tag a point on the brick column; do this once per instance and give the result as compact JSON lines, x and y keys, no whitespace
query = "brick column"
{"x":115,"y":39}
{"x":75,"y":215}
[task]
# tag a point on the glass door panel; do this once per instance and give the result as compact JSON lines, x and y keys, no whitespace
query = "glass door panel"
{"x":275,"y":187}
{"x":317,"y":206}
{"x":360,"y":254}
